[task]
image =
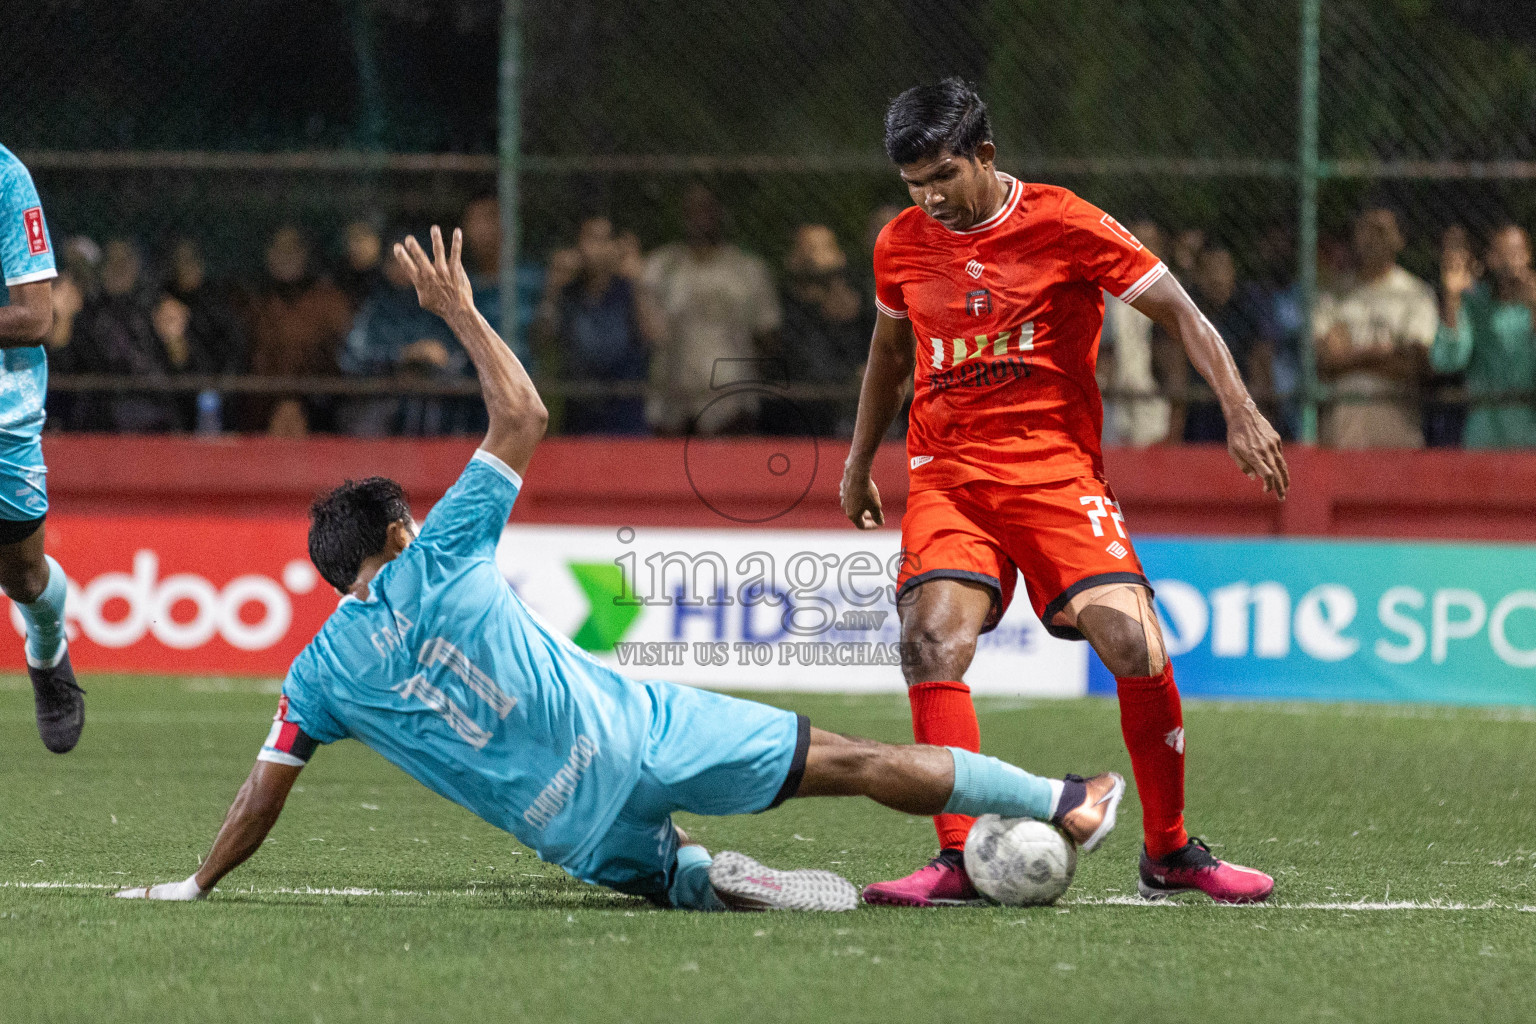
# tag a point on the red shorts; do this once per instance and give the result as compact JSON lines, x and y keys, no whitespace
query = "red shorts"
{"x":1064,"y":537}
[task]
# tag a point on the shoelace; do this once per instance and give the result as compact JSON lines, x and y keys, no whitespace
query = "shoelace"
{"x":948,"y":859}
{"x":64,"y":686}
{"x":1203,"y":860}
{"x":57,"y":695}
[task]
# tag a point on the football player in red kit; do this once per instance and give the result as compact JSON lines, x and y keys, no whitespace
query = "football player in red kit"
{"x":993,"y":288}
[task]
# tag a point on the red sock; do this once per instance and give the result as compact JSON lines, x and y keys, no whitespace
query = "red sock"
{"x":1153,"y":726}
{"x":943,"y":715}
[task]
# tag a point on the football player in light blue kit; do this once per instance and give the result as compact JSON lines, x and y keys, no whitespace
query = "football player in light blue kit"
{"x":431,"y":660}
{"x":30,"y":578}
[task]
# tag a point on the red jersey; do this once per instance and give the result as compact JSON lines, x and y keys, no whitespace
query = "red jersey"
{"x":1007,"y":317}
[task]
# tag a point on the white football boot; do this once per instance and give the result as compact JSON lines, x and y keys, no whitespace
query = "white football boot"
{"x":744,"y":884}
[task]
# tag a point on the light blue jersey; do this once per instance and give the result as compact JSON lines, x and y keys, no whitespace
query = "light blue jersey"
{"x":446,"y":673}
{"x":26,"y":255}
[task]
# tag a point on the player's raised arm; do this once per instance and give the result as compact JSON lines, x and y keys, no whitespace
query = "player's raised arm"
{"x":1254,"y":444}
{"x":891,"y":355}
{"x":250,"y":818}
{"x":517,"y":415}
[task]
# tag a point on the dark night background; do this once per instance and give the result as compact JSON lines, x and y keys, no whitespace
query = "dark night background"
{"x":1433,"y":79}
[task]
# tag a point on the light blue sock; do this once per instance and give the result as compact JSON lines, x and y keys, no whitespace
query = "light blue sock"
{"x":45,"y":619}
{"x":690,"y":882}
{"x":985,"y":785}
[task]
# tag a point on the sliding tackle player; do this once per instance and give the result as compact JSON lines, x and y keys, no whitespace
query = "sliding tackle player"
{"x":431,"y":660}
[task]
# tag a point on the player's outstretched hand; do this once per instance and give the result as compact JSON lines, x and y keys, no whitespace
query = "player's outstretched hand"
{"x":1255,"y":446}
{"x":180,"y":892}
{"x":442,"y":285}
{"x":861,"y":499}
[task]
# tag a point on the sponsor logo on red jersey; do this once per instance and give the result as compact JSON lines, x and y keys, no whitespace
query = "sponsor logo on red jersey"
{"x":958,"y":350}
{"x":37,"y":238}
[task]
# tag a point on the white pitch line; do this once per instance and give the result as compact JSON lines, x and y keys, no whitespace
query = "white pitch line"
{"x":1137,"y":901}
{"x":305,"y":891}
{"x":1086,"y":901}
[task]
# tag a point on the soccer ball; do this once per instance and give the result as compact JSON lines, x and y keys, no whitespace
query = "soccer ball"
{"x":1019,"y":862}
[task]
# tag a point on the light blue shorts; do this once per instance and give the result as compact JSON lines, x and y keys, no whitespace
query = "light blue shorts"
{"x":707,"y":754}
{"x":23,"y":480}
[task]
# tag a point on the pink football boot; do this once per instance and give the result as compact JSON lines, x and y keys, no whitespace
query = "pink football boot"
{"x":943,"y":883}
{"x":1192,"y":868}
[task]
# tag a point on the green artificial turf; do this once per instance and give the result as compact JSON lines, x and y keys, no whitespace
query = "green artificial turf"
{"x":1343,"y":804}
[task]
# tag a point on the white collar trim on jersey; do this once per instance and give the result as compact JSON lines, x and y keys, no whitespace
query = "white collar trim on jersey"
{"x":1010,"y":202}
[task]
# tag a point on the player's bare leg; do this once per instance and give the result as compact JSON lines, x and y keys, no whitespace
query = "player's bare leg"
{"x":1120,"y":623}
{"x":37,"y":585}
{"x":940,"y":621}
{"x":924,"y":779}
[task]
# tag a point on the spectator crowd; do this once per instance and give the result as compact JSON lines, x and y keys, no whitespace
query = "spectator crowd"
{"x":653,"y":342}
{"x":1403,"y":362}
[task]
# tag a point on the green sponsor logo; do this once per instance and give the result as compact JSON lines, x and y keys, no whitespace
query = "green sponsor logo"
{"x":607,"y":619}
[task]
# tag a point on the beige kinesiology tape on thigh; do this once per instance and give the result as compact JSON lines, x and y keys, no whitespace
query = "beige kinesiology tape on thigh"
{"x":1135,"y":603}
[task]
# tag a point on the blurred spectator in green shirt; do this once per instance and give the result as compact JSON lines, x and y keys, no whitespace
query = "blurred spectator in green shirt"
{"x":1486,"y":332}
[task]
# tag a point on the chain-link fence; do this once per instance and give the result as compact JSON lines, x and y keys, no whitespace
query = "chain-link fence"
{"x":219,"y":122}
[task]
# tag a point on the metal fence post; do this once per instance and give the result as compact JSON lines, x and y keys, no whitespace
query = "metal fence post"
{"x":1306,"y":241}
{"x":370,"y":79}
{"x":509,"y":147}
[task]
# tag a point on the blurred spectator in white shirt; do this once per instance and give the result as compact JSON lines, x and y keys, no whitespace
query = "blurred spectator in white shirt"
{"x":1373,"y":340}
{"x":1126,"y":361}
{"x":720,"y":311}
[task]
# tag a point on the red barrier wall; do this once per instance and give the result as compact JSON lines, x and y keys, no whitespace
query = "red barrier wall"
{"x":793,"y":483}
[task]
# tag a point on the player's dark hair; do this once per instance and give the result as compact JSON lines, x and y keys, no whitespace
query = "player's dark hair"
{"x":352,"y":523}
{"x":928,"y":121}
